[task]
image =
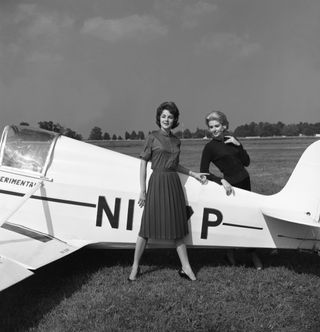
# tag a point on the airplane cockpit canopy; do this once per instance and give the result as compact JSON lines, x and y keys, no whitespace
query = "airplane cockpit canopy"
{"x":26,"y":150}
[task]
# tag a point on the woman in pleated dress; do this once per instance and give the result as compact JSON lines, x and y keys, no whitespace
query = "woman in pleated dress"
{"x":164,"y":216}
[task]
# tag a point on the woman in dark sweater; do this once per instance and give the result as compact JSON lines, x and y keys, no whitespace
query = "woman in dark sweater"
{"x":229,"y":156}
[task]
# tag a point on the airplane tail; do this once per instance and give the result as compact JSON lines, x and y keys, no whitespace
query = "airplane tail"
{"x":299,"y":200}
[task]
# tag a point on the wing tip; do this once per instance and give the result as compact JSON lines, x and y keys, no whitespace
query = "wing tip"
{"x":12,"y":273}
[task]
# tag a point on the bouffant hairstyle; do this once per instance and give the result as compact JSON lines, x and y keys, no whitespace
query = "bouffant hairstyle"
{"x":218,"y":116}
{"x":172,"y":108}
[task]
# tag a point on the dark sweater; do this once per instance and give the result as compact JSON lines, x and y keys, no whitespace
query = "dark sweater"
{"x":229,"y":158}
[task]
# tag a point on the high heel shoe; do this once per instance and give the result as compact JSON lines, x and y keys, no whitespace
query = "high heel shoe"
{"x":137,"y":275}
{"x":256,"y":261}
{"x":182,"y":274}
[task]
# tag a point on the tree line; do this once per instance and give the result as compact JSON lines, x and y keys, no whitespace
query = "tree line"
{"x":97,"y":134}
{"x":253,"y":129}
{"x":266,"y":129}
{"x":57,"y":128}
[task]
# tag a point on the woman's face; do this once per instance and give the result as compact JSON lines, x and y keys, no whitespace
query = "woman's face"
{"x":216,"y":128}
{"x":166,"y":120}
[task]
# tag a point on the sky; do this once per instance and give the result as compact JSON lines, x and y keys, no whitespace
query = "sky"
{"x":110,"y":63}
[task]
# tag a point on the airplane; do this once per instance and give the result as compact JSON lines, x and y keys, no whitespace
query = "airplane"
{"x":59,"y":195}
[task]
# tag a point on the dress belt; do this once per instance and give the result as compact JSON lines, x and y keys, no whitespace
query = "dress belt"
{"x":163,"y":170}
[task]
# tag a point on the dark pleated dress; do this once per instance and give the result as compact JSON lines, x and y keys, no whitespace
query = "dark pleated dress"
{"x":164,"y":215}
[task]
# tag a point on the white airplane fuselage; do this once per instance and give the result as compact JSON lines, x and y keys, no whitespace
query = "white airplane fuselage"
{"x":59,"y":195}
{"x":90,"y":194}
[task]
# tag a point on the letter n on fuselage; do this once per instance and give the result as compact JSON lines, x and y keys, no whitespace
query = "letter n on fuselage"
{"x":103,"y":207}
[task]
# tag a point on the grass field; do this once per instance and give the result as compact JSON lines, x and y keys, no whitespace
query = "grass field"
{"x":88,"y":291}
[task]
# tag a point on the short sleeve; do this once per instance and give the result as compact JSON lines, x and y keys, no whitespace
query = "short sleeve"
{"x":147,"y":149}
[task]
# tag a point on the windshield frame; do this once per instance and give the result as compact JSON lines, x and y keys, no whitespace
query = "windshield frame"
{"x":52,"y":139}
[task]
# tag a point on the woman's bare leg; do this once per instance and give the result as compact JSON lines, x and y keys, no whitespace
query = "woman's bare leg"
{"x":183,"y":256}
{"x":140,"y":246}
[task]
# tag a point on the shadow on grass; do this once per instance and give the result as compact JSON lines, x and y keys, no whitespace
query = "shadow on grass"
{"x":299,"y":262}
{"x":25,"y":304}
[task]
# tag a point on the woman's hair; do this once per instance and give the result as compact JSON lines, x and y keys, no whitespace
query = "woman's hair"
{"x":172,"y":108}
{"x":218,"y":116}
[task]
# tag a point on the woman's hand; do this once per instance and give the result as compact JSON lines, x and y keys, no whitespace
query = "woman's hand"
{"x":232,"y":140}
{"x":201,"y":177}
{"x":142,"y":199}
{"x":227,"y":186}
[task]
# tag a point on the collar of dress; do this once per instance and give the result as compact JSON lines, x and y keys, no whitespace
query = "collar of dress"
{"x":164,"y":133}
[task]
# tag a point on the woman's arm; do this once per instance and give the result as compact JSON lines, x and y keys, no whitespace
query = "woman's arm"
{"x":244,"y":157}
{"x":143,"y":176}
{"x":227,"y":187}
{"x":205,"y":165}
{"x":198,"y":176}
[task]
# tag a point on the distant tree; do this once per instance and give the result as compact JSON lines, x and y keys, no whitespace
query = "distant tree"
{"x":178,"y":133}
{"x":58,"y":128}
{"x":247,"y":130}
{"x":49,"y":125}
{"x":24,"y":124}
{"x":278,"y":128}
{"x":199,"y":133}
{"x":265,"y":129}
{"x":119,"y":138}
{"x":253,"y":129}
{"x":127,"y":135}
{"x":96,"y":134}
{"x":70,"y":133}
{"x":114,"y":137}
{"x":243,"y":131}
{"x":317,"y":127}
{"x":187,"y":133}
{"x":290,"y":130}
{"x":106,"y":136}
{"x":141,"y":135}
{"x":306,"y":129}
{"x":134,"y":135}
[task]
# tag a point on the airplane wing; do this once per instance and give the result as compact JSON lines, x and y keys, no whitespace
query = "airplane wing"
{"x":11,"y":273}
{"x":297,"y":217}
{"x":23,"y":249}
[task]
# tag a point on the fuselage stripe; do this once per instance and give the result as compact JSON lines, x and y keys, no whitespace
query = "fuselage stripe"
{"x":242,"y":226}
{"x":49,"y":199}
